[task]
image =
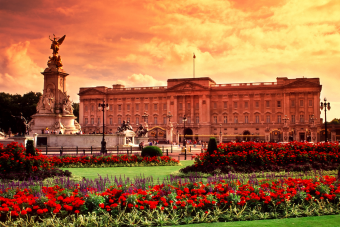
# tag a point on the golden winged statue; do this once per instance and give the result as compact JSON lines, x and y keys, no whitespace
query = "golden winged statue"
{"x":56,"y":43}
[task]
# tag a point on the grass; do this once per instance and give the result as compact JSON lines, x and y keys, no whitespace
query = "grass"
{"x":324,"y":221}
{"x":160,"y":172}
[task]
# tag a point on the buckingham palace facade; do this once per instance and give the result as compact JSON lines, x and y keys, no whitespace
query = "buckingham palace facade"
{"x":285,"y":110}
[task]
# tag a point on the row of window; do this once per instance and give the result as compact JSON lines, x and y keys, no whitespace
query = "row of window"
{"x":119,"y":107}
{"x":225,"y":119}
{"x":225,"y":105}
{"x":267,"y":119}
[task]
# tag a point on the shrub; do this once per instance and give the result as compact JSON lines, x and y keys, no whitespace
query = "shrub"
{"x":151,"y":151}
{"x":212,"y":145}
{"x":30,"y":150}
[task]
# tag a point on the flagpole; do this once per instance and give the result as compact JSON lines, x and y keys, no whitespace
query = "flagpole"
{"x":194,"y":63}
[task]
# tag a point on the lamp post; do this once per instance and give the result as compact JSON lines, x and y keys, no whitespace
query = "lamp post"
{"x":285,"y":119}
{"x":184,"y":120}
{"x":169,"y":116}
{"x":102,"y":107}
{"x":312,"y":119}
{"x":327,"y":106}
{"x":145,"y":116}
{"x":220,"y":133}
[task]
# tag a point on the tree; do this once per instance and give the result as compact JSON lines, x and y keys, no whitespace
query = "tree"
{"x":11,"y":106}
{"x":76,"y":110}
{"x":335,"y":121}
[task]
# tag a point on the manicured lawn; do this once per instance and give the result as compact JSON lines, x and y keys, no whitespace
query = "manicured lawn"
{"x":325,"y":221}
{"x":156,"y":172}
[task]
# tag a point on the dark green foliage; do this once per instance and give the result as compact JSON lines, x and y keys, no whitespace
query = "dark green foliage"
{"x":30,"y":148}
{"x":212,"y":145}
{"x":76,"y":110}
{"x":13,"y":105}
{"x":151,"y":151}
{"x":37,"y":175}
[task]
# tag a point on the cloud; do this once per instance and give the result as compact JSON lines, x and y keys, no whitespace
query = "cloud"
{"x":19,"y":73}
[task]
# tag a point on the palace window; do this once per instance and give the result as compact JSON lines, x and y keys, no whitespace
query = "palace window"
{"x":111,"y":122}
{"x":246,"y":105}
{"x":215,"y":105}
{"x":137,"y":107}
{"x":310,"y":119}
{"x":301,"y":102}
{"x":110,"y":107}
{"x":92,"y":108}
{"x":235,"y":105}
{"x":197,"y":119}
{"x":302,"y":118}
{"x":225,"y":119}
{"x":268,"y":119}
{"x":310,"y":102}
{"x":119,"y":107}
{"x":155,"y":120}
{"x":137,"y":120}
{"x":119,"y":120}
{"x":293,"y":119}
{"x":257,"y":119}
{"x":164,"y":106}
{"x":85,"y":108}
{"x":92,"y":121}
{"x":215,"y":119}
{"x":279,"y":104}
{"x":267,"y":104}
{"x":146,"y":107}
{"x":257,"y":104}
{"x":128,"y":107}
{"x":235,"y":119}
{"x":293,"y":103}
{"x":155,"y":106}
{"x":164,"y":120}
{"x":279,"y":119}
{"x":98,"y":120}
{"x":189,"y":120}
{"x":189,"y":106}
{"x":86,"y":121}
{"x":246,"y":119}
{"x":146,"y":120}
{"x":225,"y":105}
{"x":128,"y":119}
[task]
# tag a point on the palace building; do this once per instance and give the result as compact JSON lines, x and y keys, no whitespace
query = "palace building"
{"x":285,"y":110}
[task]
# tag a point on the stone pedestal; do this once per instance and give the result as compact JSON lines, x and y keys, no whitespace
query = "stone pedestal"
{"x":56,"y":122}
{"x":169,"y":133}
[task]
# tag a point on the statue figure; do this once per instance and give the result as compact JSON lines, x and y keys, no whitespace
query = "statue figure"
{"x":125,"y":126}
{"x":141,"y":131}
{"x":67,"y":106}
{"x":56,"y":43}
{"x":48,"y":102}
{"x":22,"y":124}
{"x":40,"y":104}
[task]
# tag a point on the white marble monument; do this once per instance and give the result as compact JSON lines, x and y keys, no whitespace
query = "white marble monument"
{"x":54,"y":110}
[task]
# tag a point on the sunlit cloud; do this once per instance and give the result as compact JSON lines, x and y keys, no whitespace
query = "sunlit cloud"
{"x":144,"y":43}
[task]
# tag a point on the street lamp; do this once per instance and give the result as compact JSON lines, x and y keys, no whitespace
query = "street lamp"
{"x":169,"y":116}
{"x":327,"y":106}
{"x":220,"y":133}
{"x":184,"y":120}
{"x":145,"y":116}
{"x":312,"y":119}
{"x":102,"y":107}
{"x":285,"y":119}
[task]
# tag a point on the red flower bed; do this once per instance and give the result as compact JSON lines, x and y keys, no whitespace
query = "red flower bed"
{"x":88,"y":161}
{"x":187,"y":197}
{"x":250,"y":156}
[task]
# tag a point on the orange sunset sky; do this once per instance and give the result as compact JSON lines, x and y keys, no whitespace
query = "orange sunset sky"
{"x":145,"y":42}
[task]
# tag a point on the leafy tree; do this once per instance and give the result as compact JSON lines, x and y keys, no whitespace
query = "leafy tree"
{"x":13,"y":105}
{"x":76,"y":110}
{"x":335,"y":121}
